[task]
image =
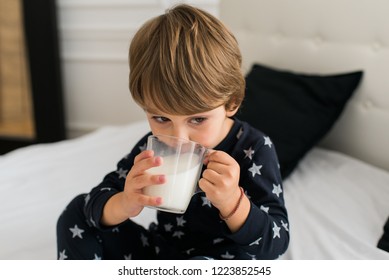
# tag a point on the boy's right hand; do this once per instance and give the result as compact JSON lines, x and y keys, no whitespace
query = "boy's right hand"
{"x":133,"y":199}
{"x":130,"y":202}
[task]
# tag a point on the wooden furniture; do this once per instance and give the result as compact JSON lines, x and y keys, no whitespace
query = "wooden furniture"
{"x":41,"y":102}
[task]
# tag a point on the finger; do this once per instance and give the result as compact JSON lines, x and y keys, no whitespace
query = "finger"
{"x":205,"y":185}
{"x":146,"y":200}
{"x":210,"y":175}
{"x":221,"y":157}
{"x":143,"y":155}
{"x":216,"y":167}
{"x":142,"y":164}
{"x":144,"y":180}
{"x":206,"y":156}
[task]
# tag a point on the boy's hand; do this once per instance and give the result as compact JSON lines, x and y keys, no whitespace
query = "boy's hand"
{"x":133,"y":200}
{"x":220,"y":181}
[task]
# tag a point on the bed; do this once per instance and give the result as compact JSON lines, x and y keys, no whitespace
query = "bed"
{"x":332,"y":57}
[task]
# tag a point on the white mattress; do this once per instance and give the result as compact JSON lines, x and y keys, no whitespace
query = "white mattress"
{"x":337,"y":205}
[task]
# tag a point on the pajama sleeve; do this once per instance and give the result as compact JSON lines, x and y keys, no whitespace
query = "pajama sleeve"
{"x":112,"y":183}
{"x":265,"y":234}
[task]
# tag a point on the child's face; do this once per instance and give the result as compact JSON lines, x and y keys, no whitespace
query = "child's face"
{"x":206,"y":128}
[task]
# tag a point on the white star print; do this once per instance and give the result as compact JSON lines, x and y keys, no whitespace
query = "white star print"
{"x":157,"y":250}
{"x":105,"y":189}
{"x":276,"y":231}
{"x":144,"y":239}
{"x":178,"y":234}
{"x":206,"y":201}
{"x":277,"y":189}
{"x":268,"y":141}
{"x":253,"y":257}
{"x":228,"y":256}
{"x":256,"y":242}
{"x":255,"y":169}
{"x":264,"y":209}
{"x":239,"y":133}
{"x":62,"y":255}
{"x":249,"y":153}
{"x":143,"y":147}
{"x":97,"y":257}
{"x":168,"y":227}
{"x":115,"y":229}
{"x":87,"y":198}
{"x":180,"y":221}
{"x":122,"y":173}
{"x":92,"y":222}
{"x":218,"y":240}
{"x":76,"y":231}
{"x":285,"y":225}
{"x":189,"y":251}
{"x":128,"y":257}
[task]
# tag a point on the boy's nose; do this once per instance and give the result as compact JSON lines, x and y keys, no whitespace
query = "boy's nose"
{"x":180,"y":133}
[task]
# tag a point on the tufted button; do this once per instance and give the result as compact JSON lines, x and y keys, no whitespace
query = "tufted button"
{"x":368,"y":104}
{"x":318,"y":40}
{"x":278,"y":36}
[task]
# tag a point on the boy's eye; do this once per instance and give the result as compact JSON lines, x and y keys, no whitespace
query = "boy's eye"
{"x":160,"y":119}
{"x":198,"y":120}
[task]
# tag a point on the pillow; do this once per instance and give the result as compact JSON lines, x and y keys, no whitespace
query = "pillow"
{"x":296,"y":110}
{"x":383,"y":243}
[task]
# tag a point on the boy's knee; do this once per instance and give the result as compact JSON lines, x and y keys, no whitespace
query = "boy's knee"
{"x":73,"y":212}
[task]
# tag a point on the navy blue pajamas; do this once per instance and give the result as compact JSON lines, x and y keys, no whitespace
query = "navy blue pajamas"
{"x":199,"y":232}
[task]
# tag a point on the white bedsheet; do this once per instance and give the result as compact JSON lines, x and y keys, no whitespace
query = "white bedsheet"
{"x":337,"y":208}
{"x":337,"y":205}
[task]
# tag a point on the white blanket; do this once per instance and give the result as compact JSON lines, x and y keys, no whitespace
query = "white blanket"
{"x":337,"y":205}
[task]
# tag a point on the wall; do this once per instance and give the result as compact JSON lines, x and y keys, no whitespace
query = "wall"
{"x":94,"y":40}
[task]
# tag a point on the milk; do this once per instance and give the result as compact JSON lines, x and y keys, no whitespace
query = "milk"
{"x":181,"y":180}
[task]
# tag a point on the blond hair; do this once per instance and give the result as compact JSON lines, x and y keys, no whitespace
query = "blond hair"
{"x":185,"y":62}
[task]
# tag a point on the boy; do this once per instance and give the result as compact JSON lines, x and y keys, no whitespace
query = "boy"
{"x":185,"y":72}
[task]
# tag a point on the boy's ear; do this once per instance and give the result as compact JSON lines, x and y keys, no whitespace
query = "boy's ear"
{"x":231,"y":112}
{"x":232,"y":106}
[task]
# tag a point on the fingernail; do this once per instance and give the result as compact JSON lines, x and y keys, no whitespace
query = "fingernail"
{"x":158,"y":160}
{"x":161,"y":178}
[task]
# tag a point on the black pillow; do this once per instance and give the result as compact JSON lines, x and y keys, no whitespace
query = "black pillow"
{"x":383,"y":243}
{"x":296,"y":110}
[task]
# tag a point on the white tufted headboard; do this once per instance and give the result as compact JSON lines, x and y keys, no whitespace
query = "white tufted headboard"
{"x":326,"y":37}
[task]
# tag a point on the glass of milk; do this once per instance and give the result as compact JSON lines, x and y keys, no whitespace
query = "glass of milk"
{"x":182,"y":165}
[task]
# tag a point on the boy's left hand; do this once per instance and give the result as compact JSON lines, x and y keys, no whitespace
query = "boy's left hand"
{"x":220,"y":180}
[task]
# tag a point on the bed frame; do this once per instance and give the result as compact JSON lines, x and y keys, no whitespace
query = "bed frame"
{"x":325,"y":37}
